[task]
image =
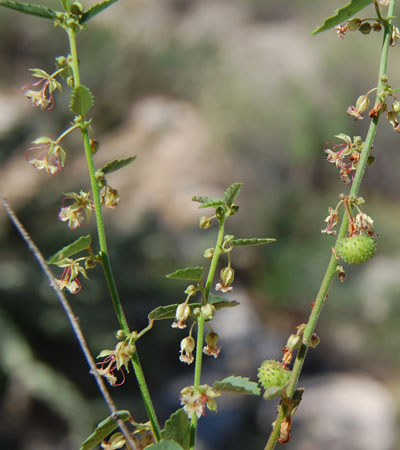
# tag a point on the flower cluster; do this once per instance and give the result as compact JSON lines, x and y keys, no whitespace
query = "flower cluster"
{"x":194,"y":400}
{"x":46,"y":154}
{"x":345,"y":156}
{"x":40,"y":93}
{"x":115,"y":359}
{"x":73,"y":214}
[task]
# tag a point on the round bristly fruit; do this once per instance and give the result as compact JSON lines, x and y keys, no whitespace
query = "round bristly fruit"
{"x":272,"y":374}
{"x":356,"y":249}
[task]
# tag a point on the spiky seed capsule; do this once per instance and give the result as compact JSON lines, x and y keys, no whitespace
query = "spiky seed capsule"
{"x":272,"y":374}
{"x":356,"y":249}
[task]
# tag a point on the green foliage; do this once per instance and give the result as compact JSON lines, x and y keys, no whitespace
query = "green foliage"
{"x":177,"y":428}
{"x":342,"y":14}
{"x":165,"y":445}
{"x":117,"y":164}
{"x":96,"y":9}
{"x":81,"y":100}
{"x":251,"y":241}
{"x":208,"y":202}
{"x":103,"y":429}
{"x":32,"y":9}
{"x":239,"y":385}
{"x":188,"y":273}
{"x":231,"y":193}
{"x":82,"y":243}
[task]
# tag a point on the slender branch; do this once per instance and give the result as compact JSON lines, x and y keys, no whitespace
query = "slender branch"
{"x":103,"y":248}
{"x":331,"y":270}
{"x":74,"y":320}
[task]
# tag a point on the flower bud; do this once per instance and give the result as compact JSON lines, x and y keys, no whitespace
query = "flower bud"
{"x":293,"y":342}
{"x":208,"y":253}
{"x":205,"y":222}
{"x":190,"y":289}
{"x":376,"y":26}
{"x":365,"y":28}
{"x":362,"y":103}
{"x":208,"y":311}
{"x":227,"y":275}
{"x":353,"y":24}
{"x":120,"y":334}
{"x":396,"y":106}
{"x":181,"y":315}
{"x":314,"y":341}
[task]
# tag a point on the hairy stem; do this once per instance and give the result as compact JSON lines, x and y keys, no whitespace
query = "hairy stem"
{"x":105,"y":261}
{"x":331,"y":270}
{"x":201,"y":321}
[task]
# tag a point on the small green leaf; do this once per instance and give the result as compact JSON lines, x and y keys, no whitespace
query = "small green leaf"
{"x":103,"y":429}
{"x":82,"y":243}
{"x":30,"y":8}
{"x":168,"y":311}
{"x":231,"y":193}
{"x":66,"y":4}
{"x":96,"y":9}
{"x":165,"y":445}
{"x":239,"y":385}
{"x":189,"y":273}
{"x":81,"y":100}
{"x":117,"y":164}
{"x":177,"y":428}
{"x":208,"y":201}
{"x":252,"y":241}
{"x":342,"y":14}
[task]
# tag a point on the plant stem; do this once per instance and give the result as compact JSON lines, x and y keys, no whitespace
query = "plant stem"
{"x":331,"y":270}
{"x":201,"y":321}
{"x":105,"y":261}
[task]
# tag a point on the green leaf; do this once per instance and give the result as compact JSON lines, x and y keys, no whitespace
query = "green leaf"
{"x":252,"y":241}
{"x":231,"y":193}
{"x":239,"y":385}
{"x":188,"y":273}
{"x":66,"y":4}
{"x":81,"y":100}
{"x":165,"y":445}
{"x":168,"y":311}
{"x":208,"y":201}
{"x":103,"y":429}
{"x":96,"y":9}
{"x":117,"y":164}
{"x":30,"y":8}
{"x":177,"y":428}
{"x":82,"y":243}
{"x":342,"y":14}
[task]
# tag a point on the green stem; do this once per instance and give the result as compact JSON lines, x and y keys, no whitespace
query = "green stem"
{"x":105,"y":261}
{"x":201,"y":321}
{"x":331,"y":269}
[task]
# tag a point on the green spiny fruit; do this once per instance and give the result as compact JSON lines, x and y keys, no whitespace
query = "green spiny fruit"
{"x":272,"y":374}
{"x":356,"y":249}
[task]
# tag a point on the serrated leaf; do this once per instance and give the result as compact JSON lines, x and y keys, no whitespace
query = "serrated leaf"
{"x":96,"y":9}
{"x":342,"y":14}
{"x":30,"y":8}
{"x":251,"y":241}
{"x":231,"y":193}
{"x":165,"y":445}
{"x":208,"y":202}
{"x":117,"y":164}
{"x":82,"y":243}
{"x":103,"y":429}
{"x":168,"y":311}
{"x":188,"y":273}
{"x":81,"y":100}
{"x":239,"y":385}
{"x":177,"y":428}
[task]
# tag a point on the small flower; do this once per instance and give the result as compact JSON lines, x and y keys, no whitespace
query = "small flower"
{"x":47,"y":155}
{"x":181,"y":315}
{"x":364,"y":223}
{"x":117,"y":440}
{"x":212,"y":348}
{"x":331,"y":221}
{"x":69,"y":278}
{"x":114,"y":360}
{"x":227,"y":276}
{"x":74,"y":212}
{"x":187,"y":346}
{"x":110,"y":198}
{"x":395,"y":36}
{"x":194,"y":401}
{"x":353,"y":111}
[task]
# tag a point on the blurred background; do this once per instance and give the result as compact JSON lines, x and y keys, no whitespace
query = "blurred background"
{"x":205,"y":93}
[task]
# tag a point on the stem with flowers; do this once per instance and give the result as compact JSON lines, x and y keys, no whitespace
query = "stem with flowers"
{"x":333,"y":269}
